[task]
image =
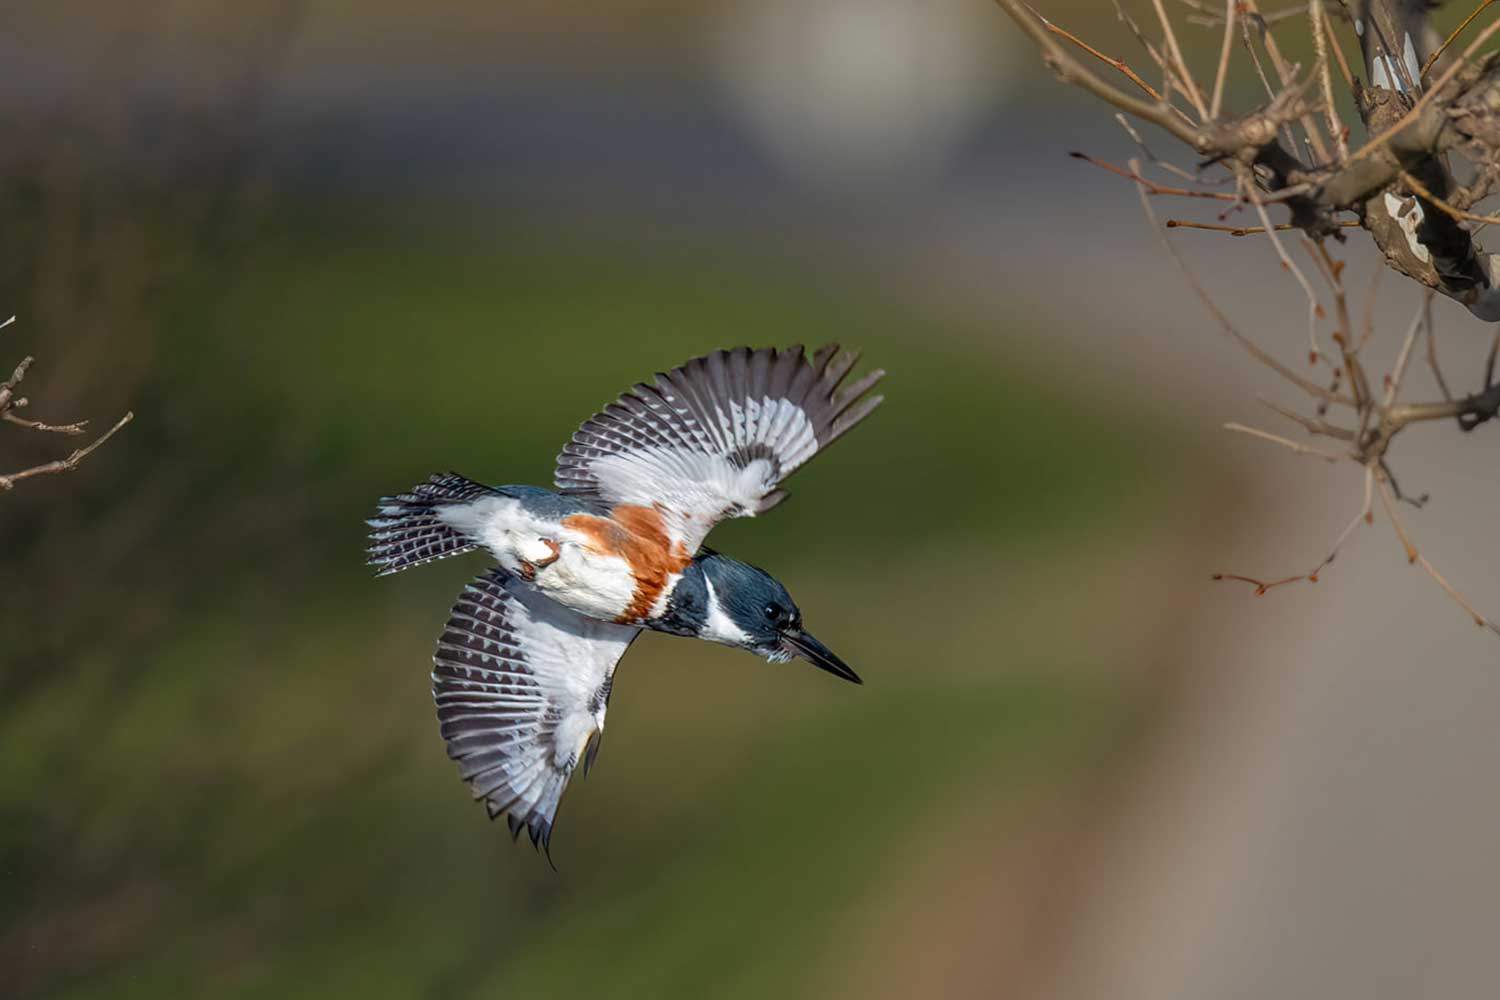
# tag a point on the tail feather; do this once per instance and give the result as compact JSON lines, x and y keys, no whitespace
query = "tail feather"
{"x":407,"y":531}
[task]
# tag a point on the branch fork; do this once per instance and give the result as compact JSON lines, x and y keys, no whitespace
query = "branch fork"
{"x":10,"y":403}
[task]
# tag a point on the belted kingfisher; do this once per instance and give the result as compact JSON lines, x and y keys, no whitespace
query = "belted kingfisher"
{"x":524,"y":667}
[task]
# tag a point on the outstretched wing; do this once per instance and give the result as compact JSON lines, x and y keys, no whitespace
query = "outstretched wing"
{"x":521,"y":685}
{"x":715,"y":437}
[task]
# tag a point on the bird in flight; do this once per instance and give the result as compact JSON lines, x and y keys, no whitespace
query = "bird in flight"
{"x":524,"y":667}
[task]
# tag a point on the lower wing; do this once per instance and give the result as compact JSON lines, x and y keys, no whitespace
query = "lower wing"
{"x":522,"y":685}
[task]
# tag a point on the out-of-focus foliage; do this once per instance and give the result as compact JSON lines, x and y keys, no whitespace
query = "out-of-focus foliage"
{"x":240,"y":788}
{"x":222,"y":775}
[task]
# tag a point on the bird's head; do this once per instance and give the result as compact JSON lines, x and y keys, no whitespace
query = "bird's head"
{"x":750,"y":609}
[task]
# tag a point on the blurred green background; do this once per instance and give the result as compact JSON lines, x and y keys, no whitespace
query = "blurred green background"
{"x":324,"y":250}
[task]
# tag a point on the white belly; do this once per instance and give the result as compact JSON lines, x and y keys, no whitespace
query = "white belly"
{"x":591,"y":583}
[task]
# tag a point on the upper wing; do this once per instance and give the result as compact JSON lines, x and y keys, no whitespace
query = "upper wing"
{"x":521,"y":685}
{"x":715,"y":437}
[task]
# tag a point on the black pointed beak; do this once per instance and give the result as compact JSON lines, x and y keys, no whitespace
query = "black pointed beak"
{"x":801,"y":644}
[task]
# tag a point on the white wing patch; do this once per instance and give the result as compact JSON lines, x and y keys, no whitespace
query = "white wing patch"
{"x":521,"y":685}
{"x":684,"y":480}
{"x":716,"y":437}
{"x":765,"y":420}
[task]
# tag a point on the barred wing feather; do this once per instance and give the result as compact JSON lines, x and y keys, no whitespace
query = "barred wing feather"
{"x":522,"y":684}
{"x":715,"y":437}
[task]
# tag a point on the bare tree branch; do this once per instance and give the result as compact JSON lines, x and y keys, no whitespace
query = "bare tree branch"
{"x":1280,"y":227}
{"x":1175,"y":51}
{"x":1300,"y":449}
{"x":1216,"y":104}
{"x":1398,"y":183}
{"x":1413,"y":555}
{"x":10,"y":402}
{"x":1118,"y":64}
{"x":36,"y":425}
{"x":1432,"y":59}
{"x":1456,"y":214}
{"x":1070,"y":70}
{"x":1255,"y":351}
{"x":64,"y":464}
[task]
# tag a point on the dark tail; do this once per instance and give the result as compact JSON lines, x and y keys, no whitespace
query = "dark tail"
{"x":406,"y":530}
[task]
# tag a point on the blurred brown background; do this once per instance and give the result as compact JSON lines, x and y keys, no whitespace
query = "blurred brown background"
{"x":323,"y":249}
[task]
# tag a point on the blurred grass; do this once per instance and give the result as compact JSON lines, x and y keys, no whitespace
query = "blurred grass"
{"x":249,"y":798}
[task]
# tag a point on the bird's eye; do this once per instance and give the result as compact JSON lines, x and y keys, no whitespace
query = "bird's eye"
{"x":773,"y":612}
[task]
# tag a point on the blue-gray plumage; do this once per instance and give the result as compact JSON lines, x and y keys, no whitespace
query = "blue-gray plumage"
{"x":525,"y":665}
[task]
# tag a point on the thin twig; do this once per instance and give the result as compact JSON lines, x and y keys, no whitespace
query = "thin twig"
{"x":1314,"y":308}
{"x":15,"y":379}
{"x":1332,"y":272}
{"x":1261,"y":586}
{"x":1312,"y":389}
{"x":64,"y":464}
{"x":1265,"y":81}
{"x":1314,"y":425}
{"x":1231,"y":230}
{"x":1401,"y":496}
{"x":1300,"y":449}
{"x":1217,"y":101}
{"x":1140,"y":143}
{"x":1336,"y":380}
{"x":1260,"y":69}
{"x":1118,"y":64}
{"x":1070,"y":70}
{"x":10,"y":402}
{"x":1288,"y":74}
{"x":1211,"y":19}
{"x":1338,"y":52}
{"x":1414,"y":556}
{"x":1325,"y":76}
{"x":1312,"y":577}
{"x":1393,"y":381}
{"x":1281,"y":227}
{"x":1176,"y":53}
{"x":1364,"y":516}
{"x":1432,"y":358}
{"x":1432,"y":59}
{"x":1151,"y":186}
{"x":8,"y":416}
{"x":1368,"y":326}
{"x":1457,"y":214}
{"x":1162,"y":62}
{"x":1457,"y":596}
{"x":1390,"y":510}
